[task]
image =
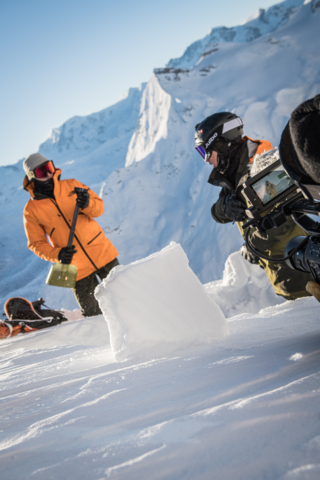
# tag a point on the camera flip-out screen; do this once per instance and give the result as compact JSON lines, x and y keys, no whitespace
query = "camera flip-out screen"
{"x":268,"y":187}
{"x":272,"y":185}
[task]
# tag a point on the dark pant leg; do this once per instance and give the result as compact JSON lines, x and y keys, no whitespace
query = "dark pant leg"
{"x":84,"y":293}
{"x":84,"y":290}
{"x":288,"y":283}
{"x":104,"y":271}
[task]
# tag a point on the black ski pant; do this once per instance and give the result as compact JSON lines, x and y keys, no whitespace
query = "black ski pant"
{"x":84,"y":290}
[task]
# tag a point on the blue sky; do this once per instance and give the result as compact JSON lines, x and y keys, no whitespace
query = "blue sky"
{"x":74,"y":57}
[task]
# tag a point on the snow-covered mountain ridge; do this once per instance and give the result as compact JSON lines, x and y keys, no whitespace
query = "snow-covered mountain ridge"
{"x":81,"y":135}
{"x":266,"y":21}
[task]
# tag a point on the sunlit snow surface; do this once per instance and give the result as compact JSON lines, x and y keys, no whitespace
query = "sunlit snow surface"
{"x":245,"y":407}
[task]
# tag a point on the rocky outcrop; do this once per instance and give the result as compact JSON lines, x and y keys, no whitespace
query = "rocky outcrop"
{"x":315,"y":5}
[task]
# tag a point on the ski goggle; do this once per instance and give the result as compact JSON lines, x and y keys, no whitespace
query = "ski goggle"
{"x":218,"y":146}
{"x":202,"y":152}
{"x":206,"y":155}
{"x":42,"y":171}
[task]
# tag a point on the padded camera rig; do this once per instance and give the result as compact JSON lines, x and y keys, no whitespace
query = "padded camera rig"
{"x":301,"y":253}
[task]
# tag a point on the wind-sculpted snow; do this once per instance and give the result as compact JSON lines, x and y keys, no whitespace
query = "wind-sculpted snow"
{"x":266,"y":21}
{"x":157,"y":306}
{"x":76,"y":332}
{"x":246,"y":407}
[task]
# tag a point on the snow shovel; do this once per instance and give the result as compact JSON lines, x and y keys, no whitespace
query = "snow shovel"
{"x":61,"y":274}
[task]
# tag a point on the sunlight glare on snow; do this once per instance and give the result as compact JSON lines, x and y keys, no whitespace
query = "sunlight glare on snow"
{"x":296,"y":357}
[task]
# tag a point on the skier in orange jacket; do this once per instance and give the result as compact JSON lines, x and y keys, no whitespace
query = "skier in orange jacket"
{"x":47,"y":220}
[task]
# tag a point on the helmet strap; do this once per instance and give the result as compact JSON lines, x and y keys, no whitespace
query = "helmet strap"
{"x":224,"y":159}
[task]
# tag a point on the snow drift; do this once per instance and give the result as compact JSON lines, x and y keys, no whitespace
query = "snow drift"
{"x":246,"y":409}
{"x":243,"y":288}
{"x":157,"y":306}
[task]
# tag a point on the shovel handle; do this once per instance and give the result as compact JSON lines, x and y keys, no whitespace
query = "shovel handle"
{"x":73,"y":226}
{"x":75,"y":217}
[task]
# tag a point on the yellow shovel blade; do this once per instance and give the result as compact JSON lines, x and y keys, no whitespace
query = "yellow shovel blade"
{"x":62,"y":275}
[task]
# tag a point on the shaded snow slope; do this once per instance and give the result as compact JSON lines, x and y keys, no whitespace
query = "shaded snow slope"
{"x":245,"y":408}
{"x":264,"y":22}
{"x":91,"y":147}
{"x":166,"y":198}
{"x":153,"y":121}
{"x":157,"y":306}
{"x":162,"y":194}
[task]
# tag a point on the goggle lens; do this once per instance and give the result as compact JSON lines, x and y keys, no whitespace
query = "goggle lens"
{"x":202,"y":152}
{"x":43,"y":170}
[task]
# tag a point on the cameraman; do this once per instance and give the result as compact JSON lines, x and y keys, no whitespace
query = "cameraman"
{"x":300,"y":152}
{"x":219,"y":140}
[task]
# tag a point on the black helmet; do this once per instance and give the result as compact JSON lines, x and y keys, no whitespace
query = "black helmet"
{"x":218,"y":132}
{"x":224,"y":124}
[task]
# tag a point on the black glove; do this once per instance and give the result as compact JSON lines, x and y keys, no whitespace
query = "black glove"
{"x":249,"y":256}
{"x":82,"y":199}
{"x":234,"y":208}
{"x":66,"y":254}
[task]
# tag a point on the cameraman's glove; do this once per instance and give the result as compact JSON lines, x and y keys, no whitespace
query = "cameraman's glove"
{"x":314,"y":289}
{"x":234,"y":208}
{"x":66,"y":254}
{"x":83,"y":199}
{"x":250,"y":257}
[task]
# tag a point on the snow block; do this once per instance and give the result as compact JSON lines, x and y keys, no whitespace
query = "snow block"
{"x":157,"y":305}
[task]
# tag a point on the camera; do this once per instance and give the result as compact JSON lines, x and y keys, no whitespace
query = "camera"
{"x":274,"y":195}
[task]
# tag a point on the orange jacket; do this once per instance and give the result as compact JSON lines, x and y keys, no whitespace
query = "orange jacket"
{"x":263,"y":146}
{"x":50,"y":220}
